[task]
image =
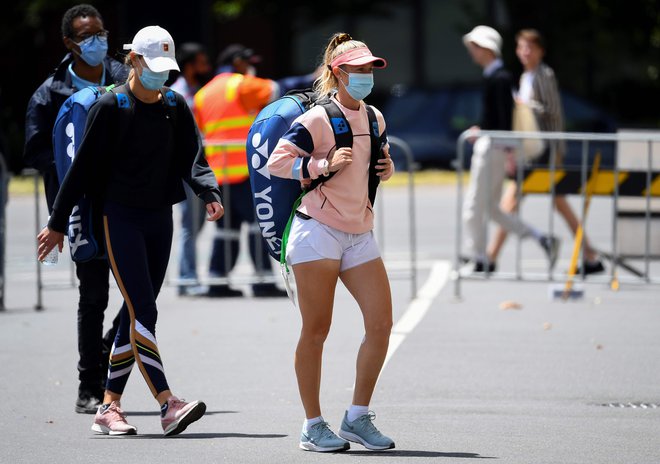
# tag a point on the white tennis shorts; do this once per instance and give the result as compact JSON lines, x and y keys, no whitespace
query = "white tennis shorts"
{"x":309,"y":240}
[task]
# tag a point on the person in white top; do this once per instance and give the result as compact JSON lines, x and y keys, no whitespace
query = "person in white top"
{"x":538,"y":89}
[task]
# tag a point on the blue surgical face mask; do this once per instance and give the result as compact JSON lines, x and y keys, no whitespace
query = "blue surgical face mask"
{"x":152,"y":80}
{"x":359,"y":84}
{"x":93,"y":49}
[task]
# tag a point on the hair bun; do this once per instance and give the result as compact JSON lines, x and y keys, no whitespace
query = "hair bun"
{"x":340,"y":38}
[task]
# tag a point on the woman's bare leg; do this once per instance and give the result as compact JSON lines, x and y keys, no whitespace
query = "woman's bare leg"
{"x":316,"y":282}
{"x":564,"y":208}
{"x":369,"y":285}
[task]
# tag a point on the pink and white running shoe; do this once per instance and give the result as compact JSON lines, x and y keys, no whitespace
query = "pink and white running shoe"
{"x":176,"y":415}
{"x":111,"y":420}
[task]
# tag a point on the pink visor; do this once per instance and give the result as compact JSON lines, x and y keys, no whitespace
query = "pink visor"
{"x":357,"y":57}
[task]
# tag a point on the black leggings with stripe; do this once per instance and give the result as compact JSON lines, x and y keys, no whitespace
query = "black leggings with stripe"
{"x":138,"y":243}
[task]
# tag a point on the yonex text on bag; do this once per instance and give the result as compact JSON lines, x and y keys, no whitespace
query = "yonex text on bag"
{"x":67,"y":133}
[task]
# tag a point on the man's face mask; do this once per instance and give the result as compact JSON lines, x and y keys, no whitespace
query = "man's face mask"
{"x":152,"y":80}
{"x":359,"y":84}
{"x":93,"y":49}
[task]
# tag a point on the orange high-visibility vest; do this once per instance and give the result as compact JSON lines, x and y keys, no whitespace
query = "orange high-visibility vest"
{"x":221,"y":117}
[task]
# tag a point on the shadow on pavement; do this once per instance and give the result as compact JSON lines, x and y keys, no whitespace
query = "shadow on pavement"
{"x":157,"y":413}
{"x":418,"y":454}
{"x":195,"y":436}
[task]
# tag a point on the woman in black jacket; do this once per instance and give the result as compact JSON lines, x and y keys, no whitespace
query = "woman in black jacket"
{"x":140,"y":142}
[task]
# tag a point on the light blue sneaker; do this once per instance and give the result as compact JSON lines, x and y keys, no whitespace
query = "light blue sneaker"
{"x":363,"y":431}
{"x":320,"y":438}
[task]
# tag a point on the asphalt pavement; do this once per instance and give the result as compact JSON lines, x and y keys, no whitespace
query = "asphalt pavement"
{"x":540,"y":381}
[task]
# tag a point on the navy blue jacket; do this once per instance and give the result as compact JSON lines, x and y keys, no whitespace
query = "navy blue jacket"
{"x":497,"y":101}
{"x":42,"y":111}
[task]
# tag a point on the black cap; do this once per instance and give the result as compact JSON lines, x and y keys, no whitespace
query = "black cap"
{"x":234,"y":51}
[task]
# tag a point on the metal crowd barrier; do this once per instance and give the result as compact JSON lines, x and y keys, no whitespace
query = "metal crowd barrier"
{"x":234,"y":235}
{"x":253,"y":229}
{"x":396,"y":142}
{"x":38,"y":225}
{"x":262,"y":270}
{"x":559,"y":180}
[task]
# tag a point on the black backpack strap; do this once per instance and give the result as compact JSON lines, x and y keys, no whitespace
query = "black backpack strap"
{"x":377,"y":143}
{"x":125,"y":101}
{"x":169,"y":102}
{"x":341,"y":130}
{"x":340,"y":127}
{"x":121,"y":96}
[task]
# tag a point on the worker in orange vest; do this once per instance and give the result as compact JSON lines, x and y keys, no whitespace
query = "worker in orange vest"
{"x":225,"y":109}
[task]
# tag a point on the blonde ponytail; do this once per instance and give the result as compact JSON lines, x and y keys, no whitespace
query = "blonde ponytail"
{"x":339,"y":43}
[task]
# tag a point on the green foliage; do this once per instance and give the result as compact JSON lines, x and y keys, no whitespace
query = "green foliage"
{"x":227,"y":10}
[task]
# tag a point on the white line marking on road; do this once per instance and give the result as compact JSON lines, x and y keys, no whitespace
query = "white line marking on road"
{"x":418,"y":307}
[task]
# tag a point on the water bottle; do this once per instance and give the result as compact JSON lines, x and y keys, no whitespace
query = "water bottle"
{"x":51,"y":258}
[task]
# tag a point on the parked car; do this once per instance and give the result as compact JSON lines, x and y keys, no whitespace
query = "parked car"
{"x":430,"y":121}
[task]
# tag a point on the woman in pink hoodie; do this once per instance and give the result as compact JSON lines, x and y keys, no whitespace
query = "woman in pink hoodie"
{"x":331,"y":238}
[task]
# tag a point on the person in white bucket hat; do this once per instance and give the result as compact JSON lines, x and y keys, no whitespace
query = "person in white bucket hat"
{"x":485,"y":37}
{"x":140,"y":143}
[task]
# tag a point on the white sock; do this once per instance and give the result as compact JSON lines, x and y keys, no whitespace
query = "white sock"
{"x":308,"y":423}
{"x":356,"y":411}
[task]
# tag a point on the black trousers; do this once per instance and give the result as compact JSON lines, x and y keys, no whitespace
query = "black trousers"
{"x":93,"y":346}
{"x":138,"y":243}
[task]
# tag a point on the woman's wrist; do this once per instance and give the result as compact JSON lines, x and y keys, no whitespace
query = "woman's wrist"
{"x":324,"y":167}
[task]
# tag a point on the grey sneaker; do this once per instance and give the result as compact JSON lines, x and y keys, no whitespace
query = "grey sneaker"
{"x":320,"y":438}
{"x":363,"y":431}
{"x":550,"y":245}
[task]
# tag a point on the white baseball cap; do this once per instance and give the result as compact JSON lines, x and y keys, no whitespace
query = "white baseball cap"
{"x":485,"y":37}
{"x":156,"y":45}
